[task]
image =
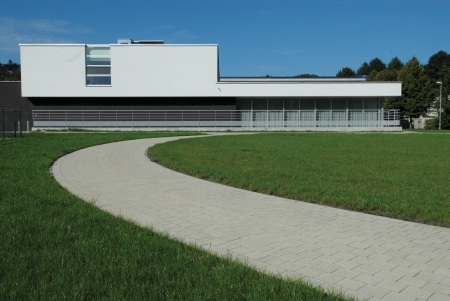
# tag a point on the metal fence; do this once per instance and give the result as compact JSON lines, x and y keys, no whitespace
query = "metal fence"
{"x":10,"y":123}
{"x":214,"y":119}
{"x":391,"y":118}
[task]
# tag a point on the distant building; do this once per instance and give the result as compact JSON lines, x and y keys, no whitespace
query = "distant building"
{"x":432,"y":113}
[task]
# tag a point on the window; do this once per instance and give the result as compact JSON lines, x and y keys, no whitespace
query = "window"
{"x":90,"y":70}
{"x":98,"y":66}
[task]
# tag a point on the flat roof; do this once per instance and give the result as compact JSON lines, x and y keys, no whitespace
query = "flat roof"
{"x":107,"y":45}
{"x":291,"y":79}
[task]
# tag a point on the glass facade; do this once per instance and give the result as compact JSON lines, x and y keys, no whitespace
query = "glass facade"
{"x":98,"y":66}
{"x":98,"y":80}
{"x":311,"y":112}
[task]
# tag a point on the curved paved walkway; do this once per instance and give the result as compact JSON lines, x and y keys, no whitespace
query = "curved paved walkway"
{"x":364,"y":255}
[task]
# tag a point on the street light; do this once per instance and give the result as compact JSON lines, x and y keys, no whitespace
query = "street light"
{"x":440,"y":103}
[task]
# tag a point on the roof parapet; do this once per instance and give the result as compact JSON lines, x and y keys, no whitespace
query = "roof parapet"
{"x":131,"y":41}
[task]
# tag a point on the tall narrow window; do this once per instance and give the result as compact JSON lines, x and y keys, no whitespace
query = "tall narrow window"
{"x":98,"y":66}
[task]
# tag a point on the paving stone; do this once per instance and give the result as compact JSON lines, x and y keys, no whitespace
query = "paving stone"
{"x":361,"y":252}
{"x":442,"y":272}
{"x":275,"y":269}
{"x":395,"y":245}
{"x":440,"y":253}
{"x":392,"y":285}
{"x":380,"y":257}
{"x":327,"y":259}
{"x":343,"y":255}
{"x":369,"y":279}
{"x":423,"y":267}
{"x":329,"y":268}
{"x":416,"y":292}
{"x":412,"y":281}
{"x":349,"y":274}
{"x":310,"y":254}
{"x":438,"y":297}
{"x":310,"y":272}
{"x":445,"y":281}
{"x":367,"y":269}
{"x":393,"y":296}
{"x":384,"y":265}
{"x":350,"y":284}
{"x":347,"y":264}
{"x":373,"y":291}
{"x":401,"y":261}
{"x":439,"y":263}
{"x":291,"y":275}
{"x":307,"y":262}
{"x":418,"y":258}
{"x":329,"y":278}
{"x":437,"y":288}
{"x":405,"y":271}
{"x":432,"y":277}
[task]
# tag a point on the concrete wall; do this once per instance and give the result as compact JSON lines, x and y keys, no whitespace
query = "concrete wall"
{"x":11,"y":98}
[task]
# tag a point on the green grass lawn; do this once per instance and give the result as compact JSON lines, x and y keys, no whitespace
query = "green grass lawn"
{"x":401,"y":176}
{"x":55,"y":246}
{"x":426,"y":131}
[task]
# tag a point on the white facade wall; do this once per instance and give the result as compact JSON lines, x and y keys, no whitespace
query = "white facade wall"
{"x":311,"y":89}
{"x":52,"y":70}
{"x":136,"y":71}
{"x":165,"y":70}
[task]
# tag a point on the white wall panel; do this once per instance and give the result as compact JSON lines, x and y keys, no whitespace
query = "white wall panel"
{"x":311,"y":89}
{"x":52,"y":70}
{"x":164,"y":70}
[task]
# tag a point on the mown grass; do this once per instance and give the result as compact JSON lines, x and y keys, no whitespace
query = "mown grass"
{"x":427,"y":131}
{"x":401,"y":176}
{"x":54,"y":246}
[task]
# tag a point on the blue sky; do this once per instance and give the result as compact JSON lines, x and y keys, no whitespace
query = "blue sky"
{"x":256,"y":38}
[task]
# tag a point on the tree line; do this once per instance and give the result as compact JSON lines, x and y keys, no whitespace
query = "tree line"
{"x":419,"y":89}
{"x":9,"y":71}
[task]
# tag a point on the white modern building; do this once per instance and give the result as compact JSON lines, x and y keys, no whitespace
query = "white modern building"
{"x":145,"y":71}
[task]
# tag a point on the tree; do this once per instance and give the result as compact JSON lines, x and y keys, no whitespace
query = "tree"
{"x":372,"y":75}
{"x":417,"y":91}
{"x":438,"y":66}
{"x":346,"y":72}
{"x":395,"y":64}
{"x":377,"y":64}
{"x":307,"y":75}
{"x":386,"y":76}
{"x":438,"y":69}
{"x":389,"y":74}
{"x":9,"y":71}
{"x":364,"y":69}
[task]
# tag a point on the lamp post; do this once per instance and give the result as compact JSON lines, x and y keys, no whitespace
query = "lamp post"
{"x":440,"y":103}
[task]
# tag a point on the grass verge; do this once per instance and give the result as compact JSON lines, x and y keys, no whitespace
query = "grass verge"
{"x":55,"y":246}
{"x":400,"y":176}
{"x":426,"y":131}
